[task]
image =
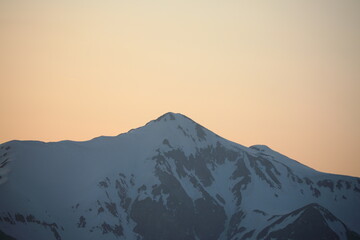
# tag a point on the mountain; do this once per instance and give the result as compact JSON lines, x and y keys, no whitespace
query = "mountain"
{"x":170,"y":179}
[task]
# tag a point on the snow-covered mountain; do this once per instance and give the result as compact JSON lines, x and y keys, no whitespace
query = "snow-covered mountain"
{"x":170,"y":179}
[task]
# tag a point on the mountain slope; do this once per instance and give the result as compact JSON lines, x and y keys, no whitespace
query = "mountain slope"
{"x":309,"y":222}
{"x":171,"y":179}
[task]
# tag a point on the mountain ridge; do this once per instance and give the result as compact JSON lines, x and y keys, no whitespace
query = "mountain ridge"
{"x":171,"y":178}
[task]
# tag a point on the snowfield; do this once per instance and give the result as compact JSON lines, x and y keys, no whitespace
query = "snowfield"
{"x":170,"y":179}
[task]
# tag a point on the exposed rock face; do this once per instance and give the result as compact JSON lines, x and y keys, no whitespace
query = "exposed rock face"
{"x":171,"y":179}
{"x":309,"y":222}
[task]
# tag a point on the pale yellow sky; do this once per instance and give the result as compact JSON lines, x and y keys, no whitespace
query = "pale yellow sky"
{"x":281,"y":73}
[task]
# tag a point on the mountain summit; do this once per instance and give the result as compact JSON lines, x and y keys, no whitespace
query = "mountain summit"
{"x":170,"y":179}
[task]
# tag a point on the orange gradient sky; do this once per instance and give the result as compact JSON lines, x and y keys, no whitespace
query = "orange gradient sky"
{"x":281,"y":73}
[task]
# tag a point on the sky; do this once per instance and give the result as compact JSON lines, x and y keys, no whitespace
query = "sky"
{"x":281,"y":73}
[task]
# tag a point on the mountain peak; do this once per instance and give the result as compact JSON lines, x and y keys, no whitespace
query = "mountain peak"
{"x":310,"y":222}
{"x":171,"y":116}
{"x":179,"y":127}
{"x":191,"y":183}
{"x":168,"y":116}
{"x":179,"y":120}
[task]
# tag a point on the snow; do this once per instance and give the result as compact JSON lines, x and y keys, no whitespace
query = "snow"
{"x":49,"y":179}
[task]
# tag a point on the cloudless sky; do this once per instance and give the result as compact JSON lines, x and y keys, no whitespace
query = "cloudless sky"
{"x":281,"y":73}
